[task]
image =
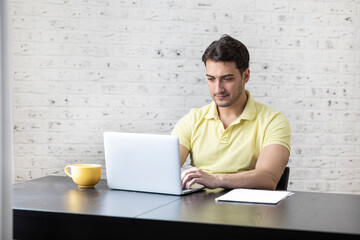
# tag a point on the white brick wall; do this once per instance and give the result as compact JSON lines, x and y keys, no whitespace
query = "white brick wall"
{"x":82,"y":67}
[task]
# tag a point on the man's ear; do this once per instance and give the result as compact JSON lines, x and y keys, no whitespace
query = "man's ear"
{"x":246,"y":75}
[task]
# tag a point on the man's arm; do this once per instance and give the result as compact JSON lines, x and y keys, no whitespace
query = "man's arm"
{"x":266,"y":175}
{"x":184,"y":152}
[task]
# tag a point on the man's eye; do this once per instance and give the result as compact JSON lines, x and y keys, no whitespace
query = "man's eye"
{"x":210,"y":79}
{"x":228,"y":79}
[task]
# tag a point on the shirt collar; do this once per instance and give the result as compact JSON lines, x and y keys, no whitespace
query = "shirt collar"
{"x":249,"y":112}
{"x":212,"y":112}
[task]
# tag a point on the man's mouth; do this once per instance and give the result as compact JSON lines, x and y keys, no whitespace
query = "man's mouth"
{"x":221,"y":96}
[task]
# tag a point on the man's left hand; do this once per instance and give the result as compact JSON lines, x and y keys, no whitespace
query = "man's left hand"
{"x":195,"y":175}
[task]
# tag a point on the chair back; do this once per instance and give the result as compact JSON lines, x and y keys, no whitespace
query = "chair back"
{"x":283,"y":182}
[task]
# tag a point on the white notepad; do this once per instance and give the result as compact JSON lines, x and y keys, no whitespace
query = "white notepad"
{"x":254,"y":196}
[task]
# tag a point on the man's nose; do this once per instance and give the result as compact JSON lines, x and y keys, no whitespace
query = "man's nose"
{"x":218,"y":86}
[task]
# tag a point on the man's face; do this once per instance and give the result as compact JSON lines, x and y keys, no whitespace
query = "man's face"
{"x":226,"y":83}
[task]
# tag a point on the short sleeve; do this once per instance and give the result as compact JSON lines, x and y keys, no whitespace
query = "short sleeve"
{"x":278,"y":132}
{"x":183,"y":129}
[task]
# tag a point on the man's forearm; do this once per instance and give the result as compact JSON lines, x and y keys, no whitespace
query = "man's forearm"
{"x":257,"y":179}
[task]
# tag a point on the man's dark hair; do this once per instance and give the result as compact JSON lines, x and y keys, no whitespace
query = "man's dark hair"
{"x":228,"y":49}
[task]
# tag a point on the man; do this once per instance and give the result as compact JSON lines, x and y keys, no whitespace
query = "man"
{"x":234,"y":142}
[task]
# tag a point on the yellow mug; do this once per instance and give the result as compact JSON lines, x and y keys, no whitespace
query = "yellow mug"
{"x":84,"y":175}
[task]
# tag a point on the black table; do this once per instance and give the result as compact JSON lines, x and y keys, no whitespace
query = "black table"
{"x":53,"y":207}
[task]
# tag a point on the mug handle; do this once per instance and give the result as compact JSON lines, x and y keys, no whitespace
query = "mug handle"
{"x":67,"y":171}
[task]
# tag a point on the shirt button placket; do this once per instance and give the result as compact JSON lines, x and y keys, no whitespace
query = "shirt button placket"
{"x":225,"y":136}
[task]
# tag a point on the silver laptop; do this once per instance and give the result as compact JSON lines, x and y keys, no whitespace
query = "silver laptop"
{"x":144,"y":162}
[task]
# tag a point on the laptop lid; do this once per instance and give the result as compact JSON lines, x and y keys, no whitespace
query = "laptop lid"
{"x":143,"y":162}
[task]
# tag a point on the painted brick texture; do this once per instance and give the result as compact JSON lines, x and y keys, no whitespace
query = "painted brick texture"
{"x":82,"y":67}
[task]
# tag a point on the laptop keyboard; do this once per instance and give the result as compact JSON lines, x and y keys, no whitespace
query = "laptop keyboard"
{"x":194,"y":188}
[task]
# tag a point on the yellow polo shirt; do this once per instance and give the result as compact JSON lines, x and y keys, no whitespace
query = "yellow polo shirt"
{"x":237,"y":148}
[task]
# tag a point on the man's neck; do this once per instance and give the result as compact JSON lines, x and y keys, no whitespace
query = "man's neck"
{"x":229,"y":114}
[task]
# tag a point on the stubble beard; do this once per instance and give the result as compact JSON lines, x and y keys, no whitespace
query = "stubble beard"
{"x":229,"y":101}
